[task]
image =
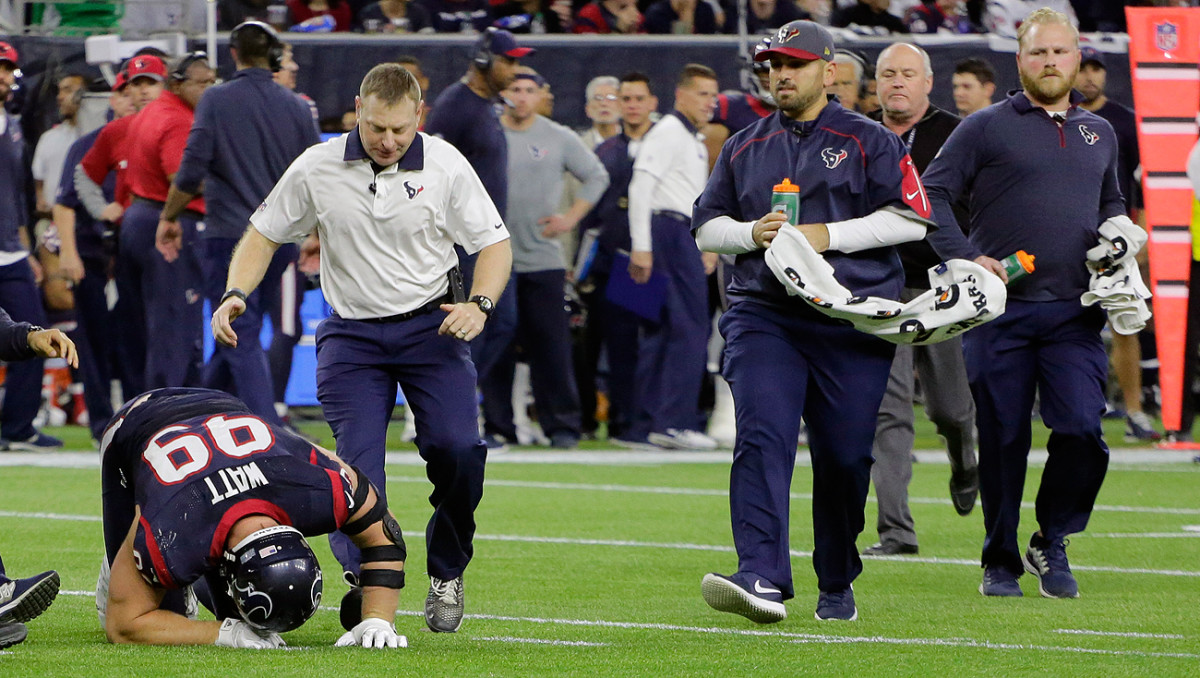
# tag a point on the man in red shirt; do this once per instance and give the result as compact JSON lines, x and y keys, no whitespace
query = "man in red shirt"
{"x":171,"y":292}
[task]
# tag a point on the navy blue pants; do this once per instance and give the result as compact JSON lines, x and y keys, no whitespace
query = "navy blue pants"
{"x":781,"y":365}
{"x":241,"y":370}
{"x":20,"y":296}
{"x":282,"y":294}
{"x":358,"y":367}
{"x":545,"y":338}
{"x":611,"y":331}
{"x":93,"y":337}
{"x":171,"y":296}
{"x":1051,"y":348}
{"x":673,"y":353}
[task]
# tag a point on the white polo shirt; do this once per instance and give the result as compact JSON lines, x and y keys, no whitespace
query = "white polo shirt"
{"x":384,"y":251}
{"x":668,"y":175}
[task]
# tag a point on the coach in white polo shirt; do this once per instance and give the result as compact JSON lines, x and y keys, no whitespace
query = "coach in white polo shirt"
{"x":388,"y":204}
{"x":668,"y":176}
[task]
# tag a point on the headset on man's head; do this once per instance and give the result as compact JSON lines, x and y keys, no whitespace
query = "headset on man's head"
{"x":179,"y":73}
{"x":275,"y":47}
{"x":483,"y":49}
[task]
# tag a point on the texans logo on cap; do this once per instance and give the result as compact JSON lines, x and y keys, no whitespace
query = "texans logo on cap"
{"x":8,"y":53}
{"x":786,"y":33}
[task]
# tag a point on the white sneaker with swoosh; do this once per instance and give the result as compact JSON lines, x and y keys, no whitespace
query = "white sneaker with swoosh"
{"x":758,"y":603}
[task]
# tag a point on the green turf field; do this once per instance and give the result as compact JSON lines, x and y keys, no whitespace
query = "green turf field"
{"x":595,"y":570}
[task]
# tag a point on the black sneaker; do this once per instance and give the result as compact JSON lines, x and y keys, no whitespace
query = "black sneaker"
{"x":444,"y":605}
{"x":1048,"y":562}
{"x":12,"y":633}
{"x":22,"y":600}
{"x":891,"y":548}
{"x":837,"y":605}
{"x":744,"y":593}
{"x":999,"y":582}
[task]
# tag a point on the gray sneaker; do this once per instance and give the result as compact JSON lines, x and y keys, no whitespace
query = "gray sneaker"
{"x":444,"y":605}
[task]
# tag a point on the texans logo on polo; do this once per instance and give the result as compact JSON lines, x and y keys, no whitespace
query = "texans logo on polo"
{"x":413,"y":191}
{"x":786,"y":34}
{"x":1089,"y":136}
{"x":537,"y":153}
{"x":833,"y":158}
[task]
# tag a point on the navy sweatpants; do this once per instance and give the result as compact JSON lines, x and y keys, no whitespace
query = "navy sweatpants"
{"x":781,"y":364}
{"x":171,"y":295}
{"x":20,"y":296}
{"x":673,"y":353}
{"x":358,"y":367}
{"x":543,"y":333}
{"x":93,"y":336}
{"x":240,"y":370}
{"x":1052,"y":348}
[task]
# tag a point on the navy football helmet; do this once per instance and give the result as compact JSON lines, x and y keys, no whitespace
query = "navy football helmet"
{"x":274,"y":579}
{"x":754,"y":74}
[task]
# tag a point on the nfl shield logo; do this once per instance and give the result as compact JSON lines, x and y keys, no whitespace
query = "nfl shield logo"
{"x":1166,"y":36}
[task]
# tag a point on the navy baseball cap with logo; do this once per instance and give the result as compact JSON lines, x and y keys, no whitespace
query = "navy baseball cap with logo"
{"x":1091,"y":55}
{"x":8,"y":53}
{"x":800,"y":39}
{"x":503,"y":42}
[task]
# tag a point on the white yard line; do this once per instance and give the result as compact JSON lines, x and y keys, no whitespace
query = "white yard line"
{"x":791,"y":636}
{"x":1120,"y":634}
{"x":541,"y":641}
{"x":1143,"y":535}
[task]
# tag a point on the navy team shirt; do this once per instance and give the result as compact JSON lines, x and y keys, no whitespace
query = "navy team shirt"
{"x":472,"y":125}
{"x":14,"y":181}
{"x":846,"y":165}
{"x":739,"y":110}
{"x":89,"y":233}
{"x":1034,"y":185}
{"x":611,"y":212}
{"x":226,"y":150}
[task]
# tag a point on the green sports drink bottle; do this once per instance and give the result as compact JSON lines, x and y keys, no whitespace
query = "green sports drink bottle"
{"x":785,"y":198}
{"x":1018,"y":265}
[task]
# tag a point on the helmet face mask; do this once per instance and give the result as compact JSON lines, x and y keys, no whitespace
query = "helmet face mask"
{"x":274,"y":579}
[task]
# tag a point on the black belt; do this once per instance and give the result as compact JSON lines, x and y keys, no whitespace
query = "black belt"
{"x":672,"y":214}
{"x":399,"y":317}
{"x":190,"y":214}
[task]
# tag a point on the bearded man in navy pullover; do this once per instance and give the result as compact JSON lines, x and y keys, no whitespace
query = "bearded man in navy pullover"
{"x":1042,"y":177}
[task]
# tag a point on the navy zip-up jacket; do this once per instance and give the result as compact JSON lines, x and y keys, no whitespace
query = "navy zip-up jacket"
{"x":14,"y":181}
{"x":1034,"y":185}
{"x":611,"y":212}
{"x":846,"y":165}
{"x":228,"y":152}
{"x":89,"y":233}
{"x":14,"y":339}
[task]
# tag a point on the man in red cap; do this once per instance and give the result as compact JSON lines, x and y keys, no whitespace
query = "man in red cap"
{"x":18,"y":289}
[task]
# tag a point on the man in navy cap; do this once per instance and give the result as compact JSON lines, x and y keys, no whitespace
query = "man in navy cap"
{"x":859,"y":197}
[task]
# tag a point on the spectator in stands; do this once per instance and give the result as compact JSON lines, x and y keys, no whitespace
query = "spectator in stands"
{"x":974,"y":85}
{"x":609,"y":16}
{"x":1126,"y":350}
{"x":305,"y":10}
{"x":171,"y":290}
{"x":532,"y":16}
{"x":939,"y":16}
{"x":53,"y":145}
{"x":668,"y":174}
{"x":18,"y":286}
{"x":394,"y":16}
{"x":230,"y":13}
{"x":611,"y":328}
{"x":1004,"y":17}
{"x":765,"y":15}
{"x":458,"y":16}
{"x":85,"y":259}
{"x":848,"y":83}
{"x":681,"y":17}
{"x":906,"y":77}
{"x":540,"y":151}
{"x":872,"y":15}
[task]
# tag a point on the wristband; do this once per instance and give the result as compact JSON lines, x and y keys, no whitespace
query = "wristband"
{"x":232,"y":292}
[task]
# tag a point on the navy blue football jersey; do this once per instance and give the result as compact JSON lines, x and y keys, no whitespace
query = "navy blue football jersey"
{"x":739,"y":110}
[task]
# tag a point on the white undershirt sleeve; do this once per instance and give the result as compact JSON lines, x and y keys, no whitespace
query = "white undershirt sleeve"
{"x":726,"y":235}
{"x":880,"y":229}
{"x":641,"y":188}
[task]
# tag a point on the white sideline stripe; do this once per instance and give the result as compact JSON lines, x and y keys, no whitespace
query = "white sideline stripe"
{"x":1121,"y":634}
{"x":1146,"y":535}
{"x":50,"y":516}
{"x":989,"y":645}
{"x":794,"y":637}
{"x":541,"y":641}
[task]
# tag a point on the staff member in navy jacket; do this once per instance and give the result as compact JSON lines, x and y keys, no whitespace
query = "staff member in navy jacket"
{"x":246,"y":133}
{"x":859,"y":196}
{"x":389,"y":204}
{"x":1037,"y":143}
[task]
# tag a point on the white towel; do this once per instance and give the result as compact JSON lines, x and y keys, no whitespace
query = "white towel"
{"x":962,"y":295}
{"x":1116,"y":282}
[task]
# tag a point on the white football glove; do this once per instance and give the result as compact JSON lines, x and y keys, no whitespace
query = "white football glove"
{"x":237,"y":633}
{"x":372,"y":632}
